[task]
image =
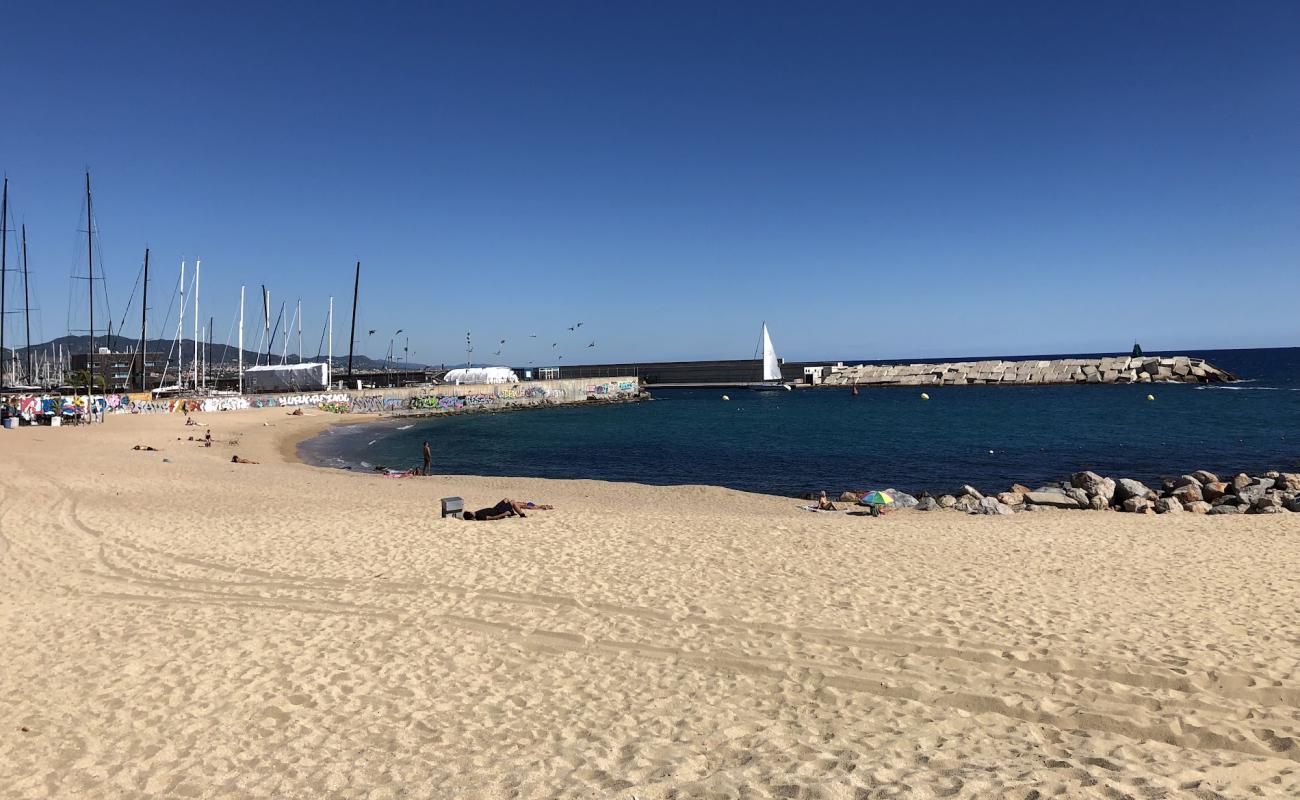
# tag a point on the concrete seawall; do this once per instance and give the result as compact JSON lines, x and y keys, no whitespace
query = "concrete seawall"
{"x":1111,"y":369}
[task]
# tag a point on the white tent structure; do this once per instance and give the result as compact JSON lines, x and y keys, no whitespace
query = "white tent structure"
{"x":313,"y":377}
{"x":481,"y":375}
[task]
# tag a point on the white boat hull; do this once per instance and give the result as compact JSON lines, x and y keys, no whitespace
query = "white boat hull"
{"x":771,"y":387}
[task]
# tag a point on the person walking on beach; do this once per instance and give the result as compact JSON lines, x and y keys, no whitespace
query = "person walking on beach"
{"x":428,"y":458}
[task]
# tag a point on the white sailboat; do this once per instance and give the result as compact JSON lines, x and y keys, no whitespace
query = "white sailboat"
{"x":771,"y":367}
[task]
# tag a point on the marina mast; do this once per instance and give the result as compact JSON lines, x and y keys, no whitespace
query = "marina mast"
{"x":90,"y":282}
{"x":144,"y":318}
{"x":27,"y":311}
{"x":356,"y":289}
{"x":4,"y":273}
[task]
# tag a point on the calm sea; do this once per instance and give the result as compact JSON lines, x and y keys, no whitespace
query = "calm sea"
{"x":793,"y":442}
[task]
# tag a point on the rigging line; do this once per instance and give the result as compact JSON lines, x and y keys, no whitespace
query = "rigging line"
{"x":323,"y":329}
{"x":225,"y":354}
{"x":122,"y":322}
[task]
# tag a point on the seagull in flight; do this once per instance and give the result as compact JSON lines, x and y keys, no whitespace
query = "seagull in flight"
{"x":593,"y":344}
{"x":372,"y":332}
{"x":579,"y":324}
{"x":554,"y":344}
{"x":503,"y":341}
{"x":572,"y":328}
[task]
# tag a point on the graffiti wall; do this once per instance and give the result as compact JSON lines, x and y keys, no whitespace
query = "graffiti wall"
{"x":437,"y":400}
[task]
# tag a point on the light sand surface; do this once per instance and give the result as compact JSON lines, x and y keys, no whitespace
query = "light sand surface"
{"x":206,"y":629}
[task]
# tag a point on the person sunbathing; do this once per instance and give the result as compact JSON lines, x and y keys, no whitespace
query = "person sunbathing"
{"x":503,"y":509}
{"x":150,"y":448}
{"x":241,"y":460}
{"x":824,"y":503}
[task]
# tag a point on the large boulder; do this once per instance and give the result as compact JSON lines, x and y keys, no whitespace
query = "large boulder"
{"x":1098,"y":503}
{"x":1226,"y":508}
{"x":926,"y":504}
{"x":946,"y":501}
{"x":1239,"y":482}
{"x":901,"y":499}
{"x":1185,"y":480}
{"x":1011,"y":498}
{"x":1094,"y":484}
{"x":1251,"y":494}
{"x":1169,"y":505}
{"x":1213,"y":490}
{"x":1204,"y":477}
{"x":1263,"y":504}
{"x":1293,"y":504}
{"x":990,"y":505}
{"x":1187,"y":493}
{"x":1269,"y":510}
{"x":1126,"y":488}
{"x":848,"y":497}
{"x":1199,"y":507}
{"x":1288,"y":482}
{"x":1136,"y":505}
{"x":1079,"y":496}
{"x":972,"y":491}
{"x":1052,"y":500}
{"x":1020,"y":488}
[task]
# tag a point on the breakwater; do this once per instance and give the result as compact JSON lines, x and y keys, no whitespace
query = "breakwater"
{"x":424,"y":400}
{"x":1108,"y":369}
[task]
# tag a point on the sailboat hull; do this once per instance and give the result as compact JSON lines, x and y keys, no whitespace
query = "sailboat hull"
{"x":770,"y":387}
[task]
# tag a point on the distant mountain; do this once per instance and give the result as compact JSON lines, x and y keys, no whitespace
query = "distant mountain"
{"x":220,"y":354}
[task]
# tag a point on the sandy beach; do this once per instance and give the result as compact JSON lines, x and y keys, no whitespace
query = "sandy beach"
{"x":174,"y":625}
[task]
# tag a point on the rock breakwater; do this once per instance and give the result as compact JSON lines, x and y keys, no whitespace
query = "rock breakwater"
{"x":1110,"y":369}
{"x":1201,"y":492}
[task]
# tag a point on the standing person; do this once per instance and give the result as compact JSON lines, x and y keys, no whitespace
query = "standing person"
{"x":428,"y":458}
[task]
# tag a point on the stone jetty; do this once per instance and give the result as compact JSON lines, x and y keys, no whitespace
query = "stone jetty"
{"x":1200,"y":492}
{"x":1108,"y":369}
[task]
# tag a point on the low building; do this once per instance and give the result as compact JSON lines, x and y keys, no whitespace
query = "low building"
{"x":121,"y":372}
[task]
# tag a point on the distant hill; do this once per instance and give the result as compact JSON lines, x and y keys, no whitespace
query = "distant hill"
{"x":77,"y":345}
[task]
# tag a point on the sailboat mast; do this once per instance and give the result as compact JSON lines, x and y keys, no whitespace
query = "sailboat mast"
{"x":144,"y":319}
{"x":329,"y":369}
{"x":198,"y":265}
{"x":4,"y":271}
{"x":27,"y":310}
{"x":90,"y":281}
{"x":180,"y":332}
{"x":241,"y":339}
{"x":356,"y":289}
{"x":300,"y":331}
{"x":207,"y":354}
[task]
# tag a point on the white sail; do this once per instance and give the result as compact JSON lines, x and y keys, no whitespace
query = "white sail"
{"x":771,"y":369}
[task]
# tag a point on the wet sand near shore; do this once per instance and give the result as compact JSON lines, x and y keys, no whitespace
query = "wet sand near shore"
{"x":198,"y":628}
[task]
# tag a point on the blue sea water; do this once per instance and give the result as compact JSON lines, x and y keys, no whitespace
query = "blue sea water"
{"x":792,"y":442}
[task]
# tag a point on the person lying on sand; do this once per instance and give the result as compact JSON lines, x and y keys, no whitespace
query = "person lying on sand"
{"x":297,"y":412}
{"x":189,"y":421}
{"x":150,"y":448}
{"x":241,"y":460}
{"x":824,"y":503}
{"x":503,"y":509}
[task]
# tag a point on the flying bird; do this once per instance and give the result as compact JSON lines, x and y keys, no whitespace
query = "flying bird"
{"x":532,"y":336}
{"x":497,"y":353}
{"x":554,"y":344}
{"x":579,"y":324}
{"x":593,"y":344}
{"x":503,"y":341}
{"x":399,"y":330}
{"x":372,"y":332}
{"x":572,"y":328}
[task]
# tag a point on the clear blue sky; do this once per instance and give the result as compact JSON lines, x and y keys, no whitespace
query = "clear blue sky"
{"x":887,"y":180}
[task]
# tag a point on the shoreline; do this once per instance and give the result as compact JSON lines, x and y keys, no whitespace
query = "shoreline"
{"x":1198,"y":492}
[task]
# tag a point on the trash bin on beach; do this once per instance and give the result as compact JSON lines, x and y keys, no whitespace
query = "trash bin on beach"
{"x":11,"y":422}
{"x":453,"y":507}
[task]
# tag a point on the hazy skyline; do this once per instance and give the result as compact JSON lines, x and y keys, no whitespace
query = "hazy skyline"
{"x":884,"y":181}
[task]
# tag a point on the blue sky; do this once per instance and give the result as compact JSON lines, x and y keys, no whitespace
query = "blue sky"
{"x":874,"y":180}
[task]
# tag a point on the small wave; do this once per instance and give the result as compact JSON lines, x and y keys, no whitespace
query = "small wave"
{"x":1251,"y":388}
{"x":406,"y":427}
